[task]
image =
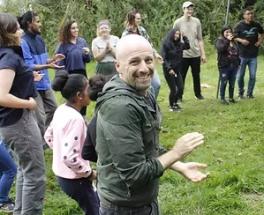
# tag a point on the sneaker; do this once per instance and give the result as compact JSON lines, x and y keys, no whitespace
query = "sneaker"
{"x":177,"y":108}
{"x":241,"y":96}
{"x":200,"y":97}
{"x":250,"y":96}
{"x":7,"y":207}
{"x":231,"y":100}
{"x":224,"y":102}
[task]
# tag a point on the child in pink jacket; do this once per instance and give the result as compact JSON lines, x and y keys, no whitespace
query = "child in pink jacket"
{"x":66,"y":135}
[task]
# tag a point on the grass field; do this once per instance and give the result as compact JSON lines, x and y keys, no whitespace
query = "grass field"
{"x":233,"y":150}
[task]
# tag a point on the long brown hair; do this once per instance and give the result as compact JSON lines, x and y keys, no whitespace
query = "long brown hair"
{"x":130,"y":19}
{"x":65,"y":31}
{"x":8,"y":28}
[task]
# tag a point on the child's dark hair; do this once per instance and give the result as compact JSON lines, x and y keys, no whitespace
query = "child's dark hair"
{"x":96,"y":84}
{"x":69,"y":84}
{"x":26,"y":18}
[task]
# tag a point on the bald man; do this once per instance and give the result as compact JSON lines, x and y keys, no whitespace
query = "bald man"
{"x":130,"y":160}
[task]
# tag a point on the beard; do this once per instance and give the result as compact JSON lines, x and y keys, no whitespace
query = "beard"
{"x":141,"y":83}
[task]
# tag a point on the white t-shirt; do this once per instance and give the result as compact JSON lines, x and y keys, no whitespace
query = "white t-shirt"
{"x":192,"y":29}
{"x":100,"y":44}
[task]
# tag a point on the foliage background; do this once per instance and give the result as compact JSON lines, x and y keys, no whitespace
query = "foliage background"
{"x":158,"y":15}
{"x":234,"y":146}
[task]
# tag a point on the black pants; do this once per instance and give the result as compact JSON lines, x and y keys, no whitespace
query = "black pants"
{"x":195,"y":64}
{"x":82,"y":192}
{"x":175,"y":84}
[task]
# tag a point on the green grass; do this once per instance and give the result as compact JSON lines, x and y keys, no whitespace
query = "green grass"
{"x":233,"y":150}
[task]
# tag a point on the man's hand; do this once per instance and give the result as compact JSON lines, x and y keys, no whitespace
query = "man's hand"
{"x":187,"y":143}
{"x":55,"y":66}
{"x":58,"y":57}
{"x":203,"y":59}
{"x":191,"y":170}
{"x":244,"y":42}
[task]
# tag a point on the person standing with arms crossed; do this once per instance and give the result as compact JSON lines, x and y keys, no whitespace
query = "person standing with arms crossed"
{"x":191,"y":28}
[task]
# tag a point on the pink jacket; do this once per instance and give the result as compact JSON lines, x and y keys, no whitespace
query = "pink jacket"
{"x":66,"y":135}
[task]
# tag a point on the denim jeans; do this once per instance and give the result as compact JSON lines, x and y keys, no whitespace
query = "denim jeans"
{"x":155,"y":84}
{"x":8,"y":171}
{"x":111,"y":209}
{"x":81,"y":190}
{"x":228,"y":74}
{"x":252,"y":66}
{"x":25,"y":140}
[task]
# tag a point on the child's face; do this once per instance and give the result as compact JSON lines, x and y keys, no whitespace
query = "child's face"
{"x":177,"y":35}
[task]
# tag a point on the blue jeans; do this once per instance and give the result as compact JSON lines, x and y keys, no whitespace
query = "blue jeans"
{"x":8,"y":171}
{"x":228,"y":74}
{"x":252,"y":66}
{"x":155,"y":84}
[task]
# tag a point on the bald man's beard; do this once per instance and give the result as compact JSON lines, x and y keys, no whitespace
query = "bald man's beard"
{"x":141,"y":83}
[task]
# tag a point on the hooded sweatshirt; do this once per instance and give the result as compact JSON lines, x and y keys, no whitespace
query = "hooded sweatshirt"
{"x":127,"y":146}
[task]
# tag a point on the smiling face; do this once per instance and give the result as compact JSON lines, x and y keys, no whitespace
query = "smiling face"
{"x":135,"y":62}
{"x":177,"y":35}
{"x":74,"y":30}
{"x":104,"y":30}
{"x":188,"y":11}
{"x":227,"y":33}
{"x":137,"y":19}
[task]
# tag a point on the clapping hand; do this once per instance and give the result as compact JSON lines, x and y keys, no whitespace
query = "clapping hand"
{"x":86,"y":50}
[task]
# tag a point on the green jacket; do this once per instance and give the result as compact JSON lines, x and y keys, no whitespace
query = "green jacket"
{"x":127,"y":143}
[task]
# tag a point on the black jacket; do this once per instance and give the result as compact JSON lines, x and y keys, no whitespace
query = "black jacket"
{"x":227,"y":55}
{"x":172,"y":51}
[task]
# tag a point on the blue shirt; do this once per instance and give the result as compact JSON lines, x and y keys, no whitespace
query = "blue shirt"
{"x":22,"y":86}
{"x":35,"y":53}
{"x":75,"y":58}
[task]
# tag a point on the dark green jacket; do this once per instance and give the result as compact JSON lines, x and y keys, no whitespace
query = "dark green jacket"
{"x":127,"y":146}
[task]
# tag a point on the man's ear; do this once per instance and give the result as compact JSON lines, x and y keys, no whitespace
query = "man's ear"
{"x":117,"y":66}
